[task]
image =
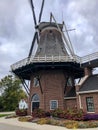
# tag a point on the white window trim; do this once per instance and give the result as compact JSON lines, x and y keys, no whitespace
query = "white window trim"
{"x":93,"y":104}
{"x":50,"y":104}
{"x":70,"y":98}
{"x":90,"y":112}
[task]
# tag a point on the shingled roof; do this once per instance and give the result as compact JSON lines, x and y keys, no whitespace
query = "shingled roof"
{"x":51,"y":41}
{"x":71,"y":93}
{"x":91,"y":84}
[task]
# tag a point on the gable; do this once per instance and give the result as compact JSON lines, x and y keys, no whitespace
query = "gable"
{"x":90,"y":84}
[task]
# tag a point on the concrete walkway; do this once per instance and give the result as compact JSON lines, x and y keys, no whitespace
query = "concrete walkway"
{"x":34,"y":126}
{"x":11,"y":112}
{"x":15,"y":122}
{"x":12,"y":127}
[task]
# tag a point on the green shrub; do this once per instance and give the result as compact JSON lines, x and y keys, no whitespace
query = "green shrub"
{"x":57,"y":113}
{"x":82,"y":125}
{"x":71,"y":124}
{"x":43,"y":121}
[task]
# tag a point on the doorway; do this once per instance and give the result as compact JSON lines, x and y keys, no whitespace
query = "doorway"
{"x":35,"y":102}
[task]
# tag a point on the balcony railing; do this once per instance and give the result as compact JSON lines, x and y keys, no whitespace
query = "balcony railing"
{"x":89,"y":57}
{"x":39,"y":59}
{"x":44,"y":59}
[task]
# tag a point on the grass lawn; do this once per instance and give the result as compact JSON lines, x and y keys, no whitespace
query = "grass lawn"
{"x":3,"y":115}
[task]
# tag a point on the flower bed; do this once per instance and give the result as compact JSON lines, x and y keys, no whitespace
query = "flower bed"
{"x":71,"y":114}
{"x":70,"y":118}
{"x":69,"y":123}
{"x":21,"y":112}
{"x":62,"y":122}
{"x":91,"y":117}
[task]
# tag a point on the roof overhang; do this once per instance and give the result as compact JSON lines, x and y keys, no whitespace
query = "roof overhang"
{"x":85,"y":92}
{"x":70,"y":67}
{"x":69,"y":98}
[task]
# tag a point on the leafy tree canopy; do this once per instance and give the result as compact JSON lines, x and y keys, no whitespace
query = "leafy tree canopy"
{"x":11,"y":93}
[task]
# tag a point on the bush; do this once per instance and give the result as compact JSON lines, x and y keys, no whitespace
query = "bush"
{"x":25,"y":119}
{"x":88,"y":124}
{"x":71,"y":124}
{"x":70,"y":114}
{"x":43,"y":121}
{"x":21,"y":112}
{"x":57,"y":113}
{"x":47,"y":114}
{"x":74,"y":114}
{"x":38,"y":113}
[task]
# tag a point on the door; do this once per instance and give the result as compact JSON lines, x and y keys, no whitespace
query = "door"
{"x":35,"y":105}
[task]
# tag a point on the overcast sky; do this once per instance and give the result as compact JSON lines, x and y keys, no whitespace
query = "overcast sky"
{"x":17,"y":28}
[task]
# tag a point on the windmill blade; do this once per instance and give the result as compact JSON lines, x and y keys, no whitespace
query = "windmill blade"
{"x":32,"y":45}
{"x":32,"y":7}
{"x":65,"y":39}
{"x":50,"y":17}
{"x":25,"y":86}
{"x":41,"y":11}
{"x":68,"y":38}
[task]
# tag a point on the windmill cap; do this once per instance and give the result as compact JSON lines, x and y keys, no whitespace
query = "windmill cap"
{"x":43,"y":25}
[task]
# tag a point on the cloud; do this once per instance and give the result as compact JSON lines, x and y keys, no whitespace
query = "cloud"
{"x":17,"y":26}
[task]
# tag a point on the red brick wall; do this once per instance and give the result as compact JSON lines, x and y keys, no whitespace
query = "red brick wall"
{"x":83,"y":101}
{"x":70,"y":103}
{"x":53,"y":83}
{"x":88,"y":71}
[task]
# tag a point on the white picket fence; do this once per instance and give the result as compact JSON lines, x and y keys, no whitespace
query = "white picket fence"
{"x":40,"y":59}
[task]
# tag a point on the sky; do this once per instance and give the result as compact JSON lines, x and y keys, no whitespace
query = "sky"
{"x":17,"y":27}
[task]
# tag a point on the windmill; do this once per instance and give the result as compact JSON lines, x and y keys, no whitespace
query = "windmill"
{"x":53,"y":65}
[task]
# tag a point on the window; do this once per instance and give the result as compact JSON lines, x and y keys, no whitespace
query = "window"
{"x":69,"y":82}
{"x":90,"y":104}
{"x":36,"y":82}
{"x":35,"y":98}
{"x":53,"y":104}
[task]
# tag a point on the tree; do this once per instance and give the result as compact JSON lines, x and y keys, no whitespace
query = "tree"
{"x":11,"y":93}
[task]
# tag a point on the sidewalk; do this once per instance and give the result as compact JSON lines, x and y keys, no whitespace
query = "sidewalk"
{"x":12,"y":112}
{"x":15,"y":122}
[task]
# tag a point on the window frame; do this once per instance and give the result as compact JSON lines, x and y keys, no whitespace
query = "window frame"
{"x":51,"y":104}
{"x":35,"y":82}
{"x":90,"y":107}
{"x":69,"y":82}
{"x":35,"y":98}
